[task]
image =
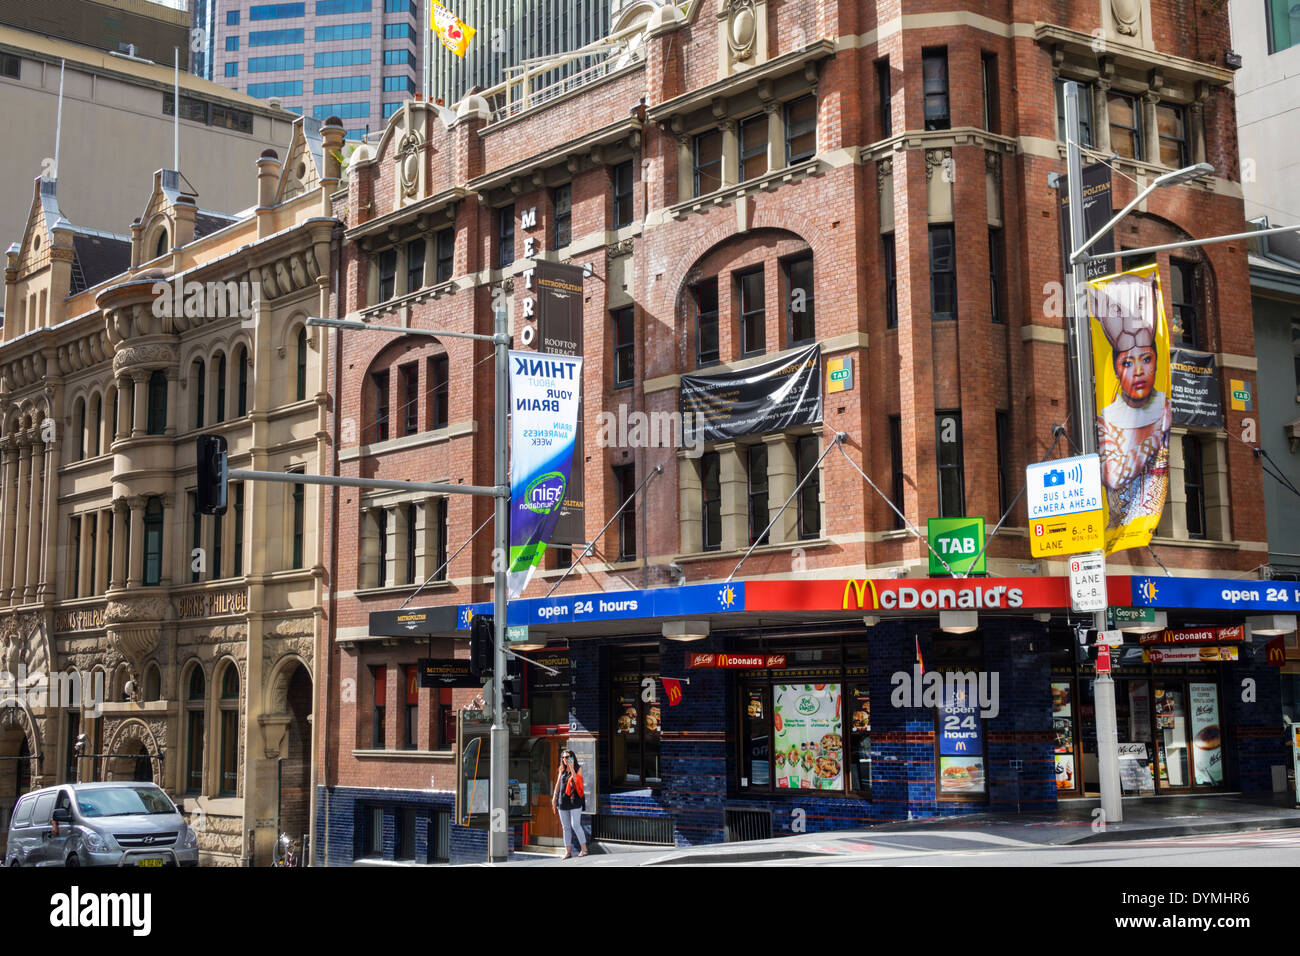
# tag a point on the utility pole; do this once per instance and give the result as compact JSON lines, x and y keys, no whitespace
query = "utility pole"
{"x":1086,"y":415}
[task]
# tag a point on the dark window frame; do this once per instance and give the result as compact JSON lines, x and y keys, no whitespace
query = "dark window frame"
{"x":807,"y":453}
{"x":1194,"y":486}
{"x":943,"y":280}
{"x":415,"y":251}
{"x":896,"y":467}
{"x":808,"y":316}
{"x":152,"y":571}
{"x":408,"y":376}
{"x":562,"y":227}
{"x":387,"y":264}
{"x":935,"y":89}
{"x":1135,"y":104}
{"x":623,"y":326}
{"x":634,"y":665}
{"x":945,"y":508}
{"x":1002,"y":437}
{"x":997,"y":263}
{"x":439,"y":372}
{"x":709,"y":170}
{"x":710,"y":501}
{"x":622,"y":183}
{"x":445,"y":267}
{"x":796,"y":129}
{"x":884,"y":98}
{"x":380,"y":383}
{"x":624,"y":486}
{"x":1184,"y":277}
{"x":989,"y":89}
{"x":505,"y":236}
{"x":889,"y":256}
{"x":745,"y":154}
{"x":752,"y":320}
{"x":703,"y":319}
{"x":758,"y":505}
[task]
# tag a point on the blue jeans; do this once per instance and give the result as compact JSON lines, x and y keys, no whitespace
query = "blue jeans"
{"x":571,"y":823}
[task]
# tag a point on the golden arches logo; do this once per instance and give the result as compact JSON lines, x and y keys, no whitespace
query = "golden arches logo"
{"x":859,"y":590}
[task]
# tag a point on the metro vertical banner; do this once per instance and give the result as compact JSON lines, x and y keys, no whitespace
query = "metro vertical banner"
{"x":1130,"y":354}
{"x":559,"y":332}
{"x":544,"y":392}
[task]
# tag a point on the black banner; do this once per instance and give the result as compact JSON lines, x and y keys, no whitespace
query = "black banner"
{"x":770,"y":397}
{"x":1194,"y":389}
{"x":415,"y":620}
{"x":1097,"y":211}
{"x":559,"y":331}
{"x":446,"y":672}
{"x":540,"y":681}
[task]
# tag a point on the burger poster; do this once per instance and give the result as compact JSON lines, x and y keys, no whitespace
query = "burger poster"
{"x":1207,"y":755}
{"x":808,"y":737}
{"x":961,"y":746}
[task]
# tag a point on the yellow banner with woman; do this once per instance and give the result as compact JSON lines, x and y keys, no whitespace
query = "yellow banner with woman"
{"x":1130,"y":355}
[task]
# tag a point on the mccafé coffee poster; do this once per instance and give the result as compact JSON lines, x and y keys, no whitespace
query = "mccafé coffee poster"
{"x":809,"y":738}
{"x":1207,"y":755}
{"x":1131,"y":371}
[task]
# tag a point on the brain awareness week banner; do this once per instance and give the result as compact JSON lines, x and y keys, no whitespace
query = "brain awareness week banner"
{"x":1130,"y":354}
{"x":543,"y":426}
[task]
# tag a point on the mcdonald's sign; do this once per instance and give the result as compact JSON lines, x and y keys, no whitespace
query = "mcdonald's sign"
{"x":1275,"y":651}
{"x":858,"y":589}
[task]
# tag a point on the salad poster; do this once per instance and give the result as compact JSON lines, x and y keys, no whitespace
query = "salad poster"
{"x":809,"y":737}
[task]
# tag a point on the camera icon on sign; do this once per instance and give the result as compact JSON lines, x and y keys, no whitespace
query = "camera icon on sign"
{"x":1054,"y":477}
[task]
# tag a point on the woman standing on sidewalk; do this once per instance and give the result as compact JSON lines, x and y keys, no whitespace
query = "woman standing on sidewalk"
{"x":569,"y":800}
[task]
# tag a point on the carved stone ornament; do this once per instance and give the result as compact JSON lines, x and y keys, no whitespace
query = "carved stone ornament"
{"x":135,"y":356}
{"x":935,"y":158}
{"x":1128,"y":16}
{"x":742,"y":27}
{"x":408,"y":163}
{"x":884,"y":168}
{"x":617,"y":249}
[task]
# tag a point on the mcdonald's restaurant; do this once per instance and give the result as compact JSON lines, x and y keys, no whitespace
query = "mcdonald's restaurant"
{"x":742,"y":710}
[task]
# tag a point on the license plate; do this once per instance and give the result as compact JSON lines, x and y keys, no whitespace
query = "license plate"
{"x":151,"y":862}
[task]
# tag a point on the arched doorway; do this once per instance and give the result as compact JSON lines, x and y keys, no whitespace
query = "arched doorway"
{"x":295,"y":771}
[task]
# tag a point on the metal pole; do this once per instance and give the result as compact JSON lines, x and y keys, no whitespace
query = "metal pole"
{"x":499,"y":816}
{"x":343,"y":481}
{"x":1085,"y":415}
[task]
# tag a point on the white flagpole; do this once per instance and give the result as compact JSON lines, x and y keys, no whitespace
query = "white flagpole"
{"x":176,"y":113}
{"x":58,"y":123}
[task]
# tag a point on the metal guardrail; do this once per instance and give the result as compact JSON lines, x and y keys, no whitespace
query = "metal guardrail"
{"x":611,"y":63}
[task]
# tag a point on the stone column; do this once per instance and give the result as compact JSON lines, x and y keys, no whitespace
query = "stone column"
{"x":18,"y":547}
{"x":173,"y":402}
{"x":34,"y":524}
{"x":730,"y":153}
{"x":121,"y":519}
{"x":85,"y":582}
{"x":735,"y":501}
{"x":390,"y":556}
{"x":426,"y":544}
{"x":122,"y":423}
{"x":168,"y":531}
{"x":685,"y":168}
{"x":135,"y":526}
{"x":781,"y":481}
{"x":103,"y":557}
{"x":139,"y":404}
{"x":1150,"y":127}
{"x":8,"y":502}
{"x":1101,"y":118}
{"x":690,"y":512}
{"x":398,"y":536}
{"x":775,"y":136}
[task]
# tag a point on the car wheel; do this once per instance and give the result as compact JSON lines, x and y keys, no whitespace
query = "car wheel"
{"x":72,"y":860}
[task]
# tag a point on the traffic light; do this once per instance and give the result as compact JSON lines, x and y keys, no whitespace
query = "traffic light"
{"x":482,"y":631}
{"x":211,"y":458}
{"x":513,"y":686}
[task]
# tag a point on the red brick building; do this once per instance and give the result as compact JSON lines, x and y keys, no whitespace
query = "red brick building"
{"x":743,"y":179}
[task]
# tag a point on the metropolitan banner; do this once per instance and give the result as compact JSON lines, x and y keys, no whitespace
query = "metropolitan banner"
{"x":1131,"y":369}
{"x":1195,"y":389}
{"x":770,"y":397}
{"x":543,"y":426}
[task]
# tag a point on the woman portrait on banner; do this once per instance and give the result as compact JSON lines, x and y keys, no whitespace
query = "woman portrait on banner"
{"x":1130,"y":346}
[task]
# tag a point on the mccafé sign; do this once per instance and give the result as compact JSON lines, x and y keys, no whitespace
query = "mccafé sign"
{"x":912,"y":594}
{"x":735,"y":661}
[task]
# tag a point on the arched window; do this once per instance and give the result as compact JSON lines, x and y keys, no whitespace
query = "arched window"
{"x":302,"y":364}
{"x":241,"y":398}
{"x":199,"y":376}
{"x":229,"y":706}
{"x":157,"y":423}
{"x":194,"y":701}
{"x":96,"y":425}
{"x":153,"y":541}
{"x":79,"y":430}
{"x":220,"y":416}
{"x":160,"y":249}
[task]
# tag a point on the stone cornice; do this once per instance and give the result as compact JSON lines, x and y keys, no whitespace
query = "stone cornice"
{"x":1130,"y":56}
{"x":622,"y":130}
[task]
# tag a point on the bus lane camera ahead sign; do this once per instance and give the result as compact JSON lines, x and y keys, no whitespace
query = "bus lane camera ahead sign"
{"x":1065,"y":506}
{"x":958,"y":541}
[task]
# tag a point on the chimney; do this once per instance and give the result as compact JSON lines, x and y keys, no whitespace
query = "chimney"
{"x":183,"y":209}
{"x":268,"y":177}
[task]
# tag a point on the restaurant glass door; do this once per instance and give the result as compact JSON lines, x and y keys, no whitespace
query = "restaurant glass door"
{"x":544,"y":828}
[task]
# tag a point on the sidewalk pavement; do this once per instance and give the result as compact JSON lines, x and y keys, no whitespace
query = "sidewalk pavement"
{"x":1072,"y":823}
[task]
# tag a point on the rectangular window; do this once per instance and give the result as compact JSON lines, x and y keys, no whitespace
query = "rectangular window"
{"x":884,"y":99}
{"x":344,"y":58}
{"x":238,"y":490}
{"x":711,"y":514}
{"x":989,"y":77}
{"x":708,"y":162}
{"x":415,"y":265}
{"x":380,"y":380}
{"x":399,"y":84}
{"x":634,"y":743}
{"x":196,"y":535}
{"x":275,"y":37}
{"x":800,"y":129}
{"x":758,"y":509}
{"x":404,"y":841}
{"x":411,"y":534}
{"x":896,"y":466}
{"x":398,"y":58}
{"x":400,"y":6}
{"x":1183,"y":294}
{"x":410,"y":378}
{"x":278,"y":88}
{"x":1194,"y":486}
{"x":439,"y":391}
{"x":439,"y":519}
{"x":325,"y":8}
{"x":952,"y":475}
{"x":232,"y":44}
{"x":299,"y":523}
{"x":232,"y":18}
{"x":753,"y":316}
{"x":1283,"y":25}
{"x":934,"y":74}
{"x":996,"y":311}
{"x":229,"y":752}
{"x":505,"y":236}
{"x":267,"y":64}
{"x":1002,"y":425}
{"x":399,"y":31}
{"x":446,"y":240}
{"x":625,"y":485}
{"x":752,"y":159}
{"x":277,"y":11}
{"x":411,"y":709}
{"x":356,"y":110}
{"x":562,"y":203}
{"x":343,"y":31}
{"x":891,"y":280}
{"x":800,"y":324}
{"x":387,"y":274}
{"x":624,"y":347}
{"x":1085,"y":112}
{"x":943,"y":274}
{"x":379,"y":681}
{"x":1171,"y":124}
{"x":810,"y":509}
{"x":76,"y":558}
{"x":232,"y":69}
{"x":1124,"y":114}
{"x":341,"y":84}
{"x":381,"y":533}
{"x":623,"y":206}
{"x":218,"y":534}
{"x":706,"y":323}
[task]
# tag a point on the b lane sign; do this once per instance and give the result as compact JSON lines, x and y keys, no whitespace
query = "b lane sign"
{"x":1065,"y":506}
{"x":1088,"y":582}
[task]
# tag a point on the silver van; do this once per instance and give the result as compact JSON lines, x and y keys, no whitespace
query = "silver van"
{"x":100,"y":824}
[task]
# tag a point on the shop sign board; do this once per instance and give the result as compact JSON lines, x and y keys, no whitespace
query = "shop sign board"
{"x":1275,"y":651}
{"x":1282,"y":597}
{"x":736,"y":661}
{"x":695,"y":600}
{"x":1088,"y":582}
{"x":959,"y":541}
{"x":1196,"y":635}
{"x":1135,"y":774}
{"x":1065,"y":506}
{"x":446,"y":672}
{"x":1119,"y":616}
{"x":1187,"y":655}
{"x":917,"y":595}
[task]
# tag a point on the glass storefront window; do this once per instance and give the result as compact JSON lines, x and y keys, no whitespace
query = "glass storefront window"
{"x":635,"y":709}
